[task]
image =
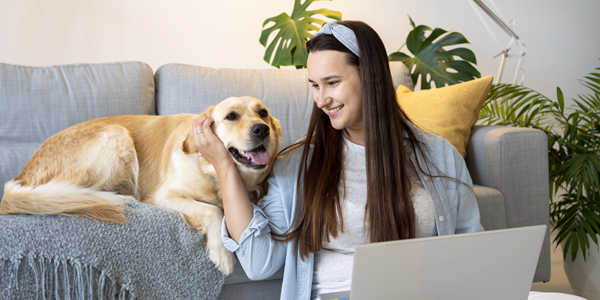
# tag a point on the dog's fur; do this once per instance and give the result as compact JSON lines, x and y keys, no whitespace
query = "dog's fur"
{"x":89,"y":169}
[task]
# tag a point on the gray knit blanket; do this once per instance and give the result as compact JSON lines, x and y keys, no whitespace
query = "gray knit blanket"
{"x":155,"y":256}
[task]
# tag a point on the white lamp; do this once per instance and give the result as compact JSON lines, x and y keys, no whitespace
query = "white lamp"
{"x":497,"y":17}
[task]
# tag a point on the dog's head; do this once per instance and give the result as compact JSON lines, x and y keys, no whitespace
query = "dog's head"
{"x":250,"y":133}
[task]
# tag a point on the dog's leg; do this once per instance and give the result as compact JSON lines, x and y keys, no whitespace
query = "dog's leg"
{"x":113,"y":164}
{"x":206,"y":219}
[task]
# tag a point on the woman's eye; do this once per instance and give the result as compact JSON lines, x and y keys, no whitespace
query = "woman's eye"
{"x":315,"y":86}
{"x":333,"y":82}
{"x":263,"y":113}
{"x":231,"y":117}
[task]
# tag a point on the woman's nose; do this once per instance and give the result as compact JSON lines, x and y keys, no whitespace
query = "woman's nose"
{"x":321,"y":98}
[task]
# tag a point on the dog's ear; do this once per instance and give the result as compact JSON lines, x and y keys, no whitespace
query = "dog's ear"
{"x":275,"y":125}
{"x":208,"y":112}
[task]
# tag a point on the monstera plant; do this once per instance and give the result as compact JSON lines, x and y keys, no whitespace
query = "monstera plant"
{"x":293,"y":31}
{"x":573,"y":154}
{"x":432,"y":62}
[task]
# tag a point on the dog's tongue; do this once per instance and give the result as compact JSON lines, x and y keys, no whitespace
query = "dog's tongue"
{"x":258,"y":156}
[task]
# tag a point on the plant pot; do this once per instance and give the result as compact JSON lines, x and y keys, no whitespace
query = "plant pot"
{"x":584,"y":276}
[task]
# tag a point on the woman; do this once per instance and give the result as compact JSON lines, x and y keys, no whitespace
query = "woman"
{"x":363,"y":174}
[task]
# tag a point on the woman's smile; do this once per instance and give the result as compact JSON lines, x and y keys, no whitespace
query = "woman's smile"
{"x":334,"y":111}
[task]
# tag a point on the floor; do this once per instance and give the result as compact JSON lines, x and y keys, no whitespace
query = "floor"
{"x":559,"y":283}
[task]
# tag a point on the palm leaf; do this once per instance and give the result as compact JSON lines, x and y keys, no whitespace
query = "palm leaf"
{"x":509,"y":104}
{"x":288,"y":47}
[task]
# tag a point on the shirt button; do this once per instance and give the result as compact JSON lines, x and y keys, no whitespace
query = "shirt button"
{"x":247,"y":231}
{"x":426,"y":177}
{"x":409,"y":150}
{"x":441,"y":218}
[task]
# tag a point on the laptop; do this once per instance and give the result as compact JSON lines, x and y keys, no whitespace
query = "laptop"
{"x":497,"y":264}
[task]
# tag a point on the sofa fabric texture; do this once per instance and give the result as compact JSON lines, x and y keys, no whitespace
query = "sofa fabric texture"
{"x":508,"y":165}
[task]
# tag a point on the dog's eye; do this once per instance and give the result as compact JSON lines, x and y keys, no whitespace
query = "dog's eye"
{"x":231,"y":117}
{"x":263,"y":113}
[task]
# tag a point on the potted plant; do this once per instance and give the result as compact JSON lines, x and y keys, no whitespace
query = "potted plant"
{"x":574,"y":168}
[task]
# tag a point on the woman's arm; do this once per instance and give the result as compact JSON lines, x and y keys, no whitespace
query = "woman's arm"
{"x":246,"y":229}
{"x":236,"y":204}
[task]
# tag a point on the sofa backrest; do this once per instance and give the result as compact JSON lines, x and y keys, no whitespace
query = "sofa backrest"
{"x":37,"y":102}
{"x":287,"y":93}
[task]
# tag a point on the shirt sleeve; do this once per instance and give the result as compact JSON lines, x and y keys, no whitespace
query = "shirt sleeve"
{"x":259,"y":254}
{"x":467,"y":213}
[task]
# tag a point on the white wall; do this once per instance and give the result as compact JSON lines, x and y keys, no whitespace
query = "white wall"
{"x":562,"y":36}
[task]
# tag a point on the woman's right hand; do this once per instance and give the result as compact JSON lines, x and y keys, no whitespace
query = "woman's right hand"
{"x":209,"y":145}
{"x":236,"y":205}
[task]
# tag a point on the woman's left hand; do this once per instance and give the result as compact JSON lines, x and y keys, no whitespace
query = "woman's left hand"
{"x":209,"y":145}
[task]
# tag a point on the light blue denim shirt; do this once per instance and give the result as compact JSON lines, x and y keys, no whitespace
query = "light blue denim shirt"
{"x":455,"y":206}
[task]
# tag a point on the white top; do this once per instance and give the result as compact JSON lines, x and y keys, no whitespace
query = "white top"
{"x":333,"y":264}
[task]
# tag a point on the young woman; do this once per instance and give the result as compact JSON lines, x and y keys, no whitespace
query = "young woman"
{"x":363,"y":174}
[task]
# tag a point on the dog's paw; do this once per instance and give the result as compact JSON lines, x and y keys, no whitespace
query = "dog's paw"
{"x":223,"y":259}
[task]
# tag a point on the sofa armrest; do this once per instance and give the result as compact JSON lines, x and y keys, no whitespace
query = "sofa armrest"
{"x":515,"y":162}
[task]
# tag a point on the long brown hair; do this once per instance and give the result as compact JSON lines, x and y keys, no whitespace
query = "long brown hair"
{"x":389,"y":209}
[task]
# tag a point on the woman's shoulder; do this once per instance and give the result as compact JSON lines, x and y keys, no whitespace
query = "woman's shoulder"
{"x":431,"y":141}
{"x":437,"y":148}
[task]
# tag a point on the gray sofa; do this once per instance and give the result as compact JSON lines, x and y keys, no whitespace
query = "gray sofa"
{"x":508,"y":165}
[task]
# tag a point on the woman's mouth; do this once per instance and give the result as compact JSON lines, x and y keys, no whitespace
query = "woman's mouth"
{"x":334,"y":111}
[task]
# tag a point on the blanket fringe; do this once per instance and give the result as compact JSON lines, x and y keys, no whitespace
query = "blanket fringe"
{"x":56,"y":278}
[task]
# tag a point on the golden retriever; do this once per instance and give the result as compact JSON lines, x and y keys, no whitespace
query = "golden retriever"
{"x":87,"y":169}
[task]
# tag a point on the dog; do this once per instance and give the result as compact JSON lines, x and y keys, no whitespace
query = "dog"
{"x":90,"y":169}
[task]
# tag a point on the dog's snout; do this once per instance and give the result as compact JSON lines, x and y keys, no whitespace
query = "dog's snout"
{"x":260,"y":131}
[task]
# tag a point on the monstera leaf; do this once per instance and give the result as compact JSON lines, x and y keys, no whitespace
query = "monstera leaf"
{"x":430,"y":58}
{"x":290,"y":42}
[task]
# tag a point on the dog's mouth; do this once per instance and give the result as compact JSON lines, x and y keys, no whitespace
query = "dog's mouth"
{"x":257,"y":158}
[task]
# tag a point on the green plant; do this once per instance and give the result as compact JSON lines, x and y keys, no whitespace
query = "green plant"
{"x":290,"y":42}
{"x":573,"y":153}
{"x":432,"y":62}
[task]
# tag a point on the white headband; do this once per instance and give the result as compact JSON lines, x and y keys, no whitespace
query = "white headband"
{"x":343,"y":34}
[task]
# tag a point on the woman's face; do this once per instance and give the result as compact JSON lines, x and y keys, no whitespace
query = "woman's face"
{"x":337,"y":91}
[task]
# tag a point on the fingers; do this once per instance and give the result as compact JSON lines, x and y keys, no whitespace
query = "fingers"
{"x":197,"y":126}
{"x":199,"y":141}
{"x":205,"y":128}
{"x":203,"y":135}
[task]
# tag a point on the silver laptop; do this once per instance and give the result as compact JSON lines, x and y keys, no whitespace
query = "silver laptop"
{"x":497,"y":264}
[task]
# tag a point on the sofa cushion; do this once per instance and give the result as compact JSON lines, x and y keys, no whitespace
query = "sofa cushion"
{"x":13,"y":158}
{"x":448,"y":111}
{"x":287,"y":93}
{"x":491,"y":207}
{"x":239,"y":276}
{"x":37,"y":102}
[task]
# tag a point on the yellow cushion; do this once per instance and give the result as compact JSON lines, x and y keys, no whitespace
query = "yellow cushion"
{"x":448,"y":111}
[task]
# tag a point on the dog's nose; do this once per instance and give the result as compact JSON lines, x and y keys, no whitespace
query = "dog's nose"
{"x":260,"y":131}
